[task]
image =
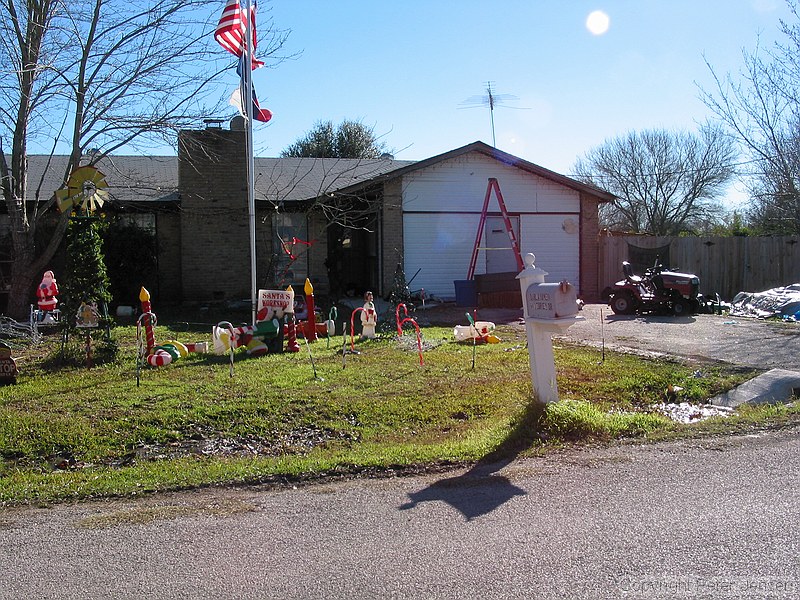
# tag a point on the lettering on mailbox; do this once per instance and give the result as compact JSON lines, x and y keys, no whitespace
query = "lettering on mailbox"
{"x":551,"y":300}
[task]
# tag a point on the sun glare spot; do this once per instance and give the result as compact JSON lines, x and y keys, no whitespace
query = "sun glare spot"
{"x":597,"y":22}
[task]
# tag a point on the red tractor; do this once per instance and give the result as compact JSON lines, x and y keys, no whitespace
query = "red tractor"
{"x":660,"y":290}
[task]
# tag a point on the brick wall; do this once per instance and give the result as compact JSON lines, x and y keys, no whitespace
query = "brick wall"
{"x":214,"y":231}
{"x":264,"y":248}
{"x":168,"y":228}
{"x":391,"y":232}
{"x":318,"y":252}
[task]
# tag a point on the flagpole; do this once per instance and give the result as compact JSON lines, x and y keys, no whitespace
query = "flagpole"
{"x":247,"y":98}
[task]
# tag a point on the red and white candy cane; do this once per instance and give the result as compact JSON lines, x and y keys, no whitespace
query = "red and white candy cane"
{"x":419,"y":337}
{"x":159,"y":358}
{"x":352,"y":318}
{"x":397,"y":317}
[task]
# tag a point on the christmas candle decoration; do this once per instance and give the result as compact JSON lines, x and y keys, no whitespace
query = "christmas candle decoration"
{"x":144,"y":298}
{"x":310,"y":330}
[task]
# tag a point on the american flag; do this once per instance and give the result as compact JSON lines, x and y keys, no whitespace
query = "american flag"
{"x":231,"y":31}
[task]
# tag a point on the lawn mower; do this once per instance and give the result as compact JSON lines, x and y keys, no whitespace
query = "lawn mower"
{"x":659,"y":290}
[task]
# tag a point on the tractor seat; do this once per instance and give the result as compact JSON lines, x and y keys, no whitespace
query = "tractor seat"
{"x":627,"y":269}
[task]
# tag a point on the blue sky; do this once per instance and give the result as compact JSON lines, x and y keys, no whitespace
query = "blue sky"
{"x":406,"y":68}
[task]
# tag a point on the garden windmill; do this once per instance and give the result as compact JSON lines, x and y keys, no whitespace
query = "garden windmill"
{"x":87,"y":278}
{"x":490,"y":99}
{"x":85,"y":189}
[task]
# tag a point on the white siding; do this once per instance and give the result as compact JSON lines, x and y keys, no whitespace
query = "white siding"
{"x":442,"y":204}
{"x":459,"y":185}
{"x":441,"y":246}
{"x":555,"y":245}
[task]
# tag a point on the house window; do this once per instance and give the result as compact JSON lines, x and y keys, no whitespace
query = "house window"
{"x":145,"y":221}
{"x":290,"y":248}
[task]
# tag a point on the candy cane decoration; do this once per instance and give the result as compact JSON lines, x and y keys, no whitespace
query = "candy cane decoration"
{"x":352,"y":317}
{"x":419,"y":337}
{"x":159,"y":357}
{"x":141,"y":351}
{"x":397,"y":318}
{"x":330,"y":324}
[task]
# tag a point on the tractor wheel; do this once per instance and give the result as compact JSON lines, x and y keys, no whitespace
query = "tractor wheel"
{"x":623,"y":304}
{"x":681,"y":308}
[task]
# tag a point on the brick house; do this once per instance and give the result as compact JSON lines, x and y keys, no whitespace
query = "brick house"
{"x":347,"y":224}
{"x":367,"y":217}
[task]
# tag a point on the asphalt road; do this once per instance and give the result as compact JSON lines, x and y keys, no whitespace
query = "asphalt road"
{"x":713,"y":518}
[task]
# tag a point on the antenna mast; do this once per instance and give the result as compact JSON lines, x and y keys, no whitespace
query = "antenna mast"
{"x":490,"y":99}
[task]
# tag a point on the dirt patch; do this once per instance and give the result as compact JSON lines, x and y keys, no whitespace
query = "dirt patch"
{"x":448,"y":314}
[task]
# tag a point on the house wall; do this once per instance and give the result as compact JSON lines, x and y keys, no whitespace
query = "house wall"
{"x":212,"y":180}
{"x":318,"y":253}
{"x":442,"y":205}
{"x":168,"y":230}
{"x":214,"y":229}
{"x":264,"y":249}
{"x":391,"y":234}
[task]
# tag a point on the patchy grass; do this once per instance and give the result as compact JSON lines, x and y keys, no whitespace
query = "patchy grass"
{"x":68,"y":432}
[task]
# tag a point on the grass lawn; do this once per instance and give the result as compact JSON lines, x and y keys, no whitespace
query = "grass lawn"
{"x":70,"y":432}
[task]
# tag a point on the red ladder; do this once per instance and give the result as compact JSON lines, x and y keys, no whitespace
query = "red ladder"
{"x":493,"y":185}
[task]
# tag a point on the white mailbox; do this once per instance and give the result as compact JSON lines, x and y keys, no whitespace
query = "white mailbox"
{"x":549,"y":309}
{"x":551,"y":300}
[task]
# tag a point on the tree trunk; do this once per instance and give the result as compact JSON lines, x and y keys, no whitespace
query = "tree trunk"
{"x":23,"y":285}
{"x":27,"y":268}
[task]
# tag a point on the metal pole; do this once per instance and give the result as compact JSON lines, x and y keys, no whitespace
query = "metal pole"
{"x":247,"y":78}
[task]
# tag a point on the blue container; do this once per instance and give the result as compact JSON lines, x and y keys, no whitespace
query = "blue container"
{"x":466,"y":292}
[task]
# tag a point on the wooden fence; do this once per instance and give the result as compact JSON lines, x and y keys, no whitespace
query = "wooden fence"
{"x":725,"y":265}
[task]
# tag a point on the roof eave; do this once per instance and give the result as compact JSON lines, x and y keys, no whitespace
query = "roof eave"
{"x":483,"y":148}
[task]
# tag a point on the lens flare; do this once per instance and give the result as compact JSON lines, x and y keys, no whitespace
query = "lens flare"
{"x":597,"y":22}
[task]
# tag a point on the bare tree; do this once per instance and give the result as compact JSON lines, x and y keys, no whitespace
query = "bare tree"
{"x":86,"y":78}
{"x":762,"y":109}
{"x":666,"y":183}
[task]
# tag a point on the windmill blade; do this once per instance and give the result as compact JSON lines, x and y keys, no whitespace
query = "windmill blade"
{"x":85,"y":188}
{"x":95,"y":201}
{"x":64,"y":201}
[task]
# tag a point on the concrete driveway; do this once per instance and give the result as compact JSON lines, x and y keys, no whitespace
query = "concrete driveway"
{"x":739,"y":341}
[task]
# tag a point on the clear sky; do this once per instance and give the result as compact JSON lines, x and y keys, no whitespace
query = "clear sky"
{"x":407,"y":69}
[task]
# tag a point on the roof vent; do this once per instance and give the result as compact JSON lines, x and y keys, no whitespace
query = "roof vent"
{"x":387,"y":156}
{"x":237,"y":123}
{"x":213,"y":123}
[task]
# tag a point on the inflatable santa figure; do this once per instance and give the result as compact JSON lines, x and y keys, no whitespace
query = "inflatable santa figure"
{"x":369,"y":318}
{"x":47,"y":292}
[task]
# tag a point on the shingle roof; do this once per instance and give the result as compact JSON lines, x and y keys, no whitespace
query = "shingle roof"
{"x":129,"y":178}
{"x":155,"y":178}
{"x":292,"y":179}
{"x":134,"y":179}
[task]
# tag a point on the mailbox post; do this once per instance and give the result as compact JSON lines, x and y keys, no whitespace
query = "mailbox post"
{"x":548,"y":308}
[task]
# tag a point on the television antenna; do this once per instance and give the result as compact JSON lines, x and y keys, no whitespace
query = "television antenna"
{"x":490,"y":99}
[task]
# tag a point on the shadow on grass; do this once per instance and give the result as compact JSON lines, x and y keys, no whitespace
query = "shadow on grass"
{"x":75,"y":353}
{"x":480,"y":490}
